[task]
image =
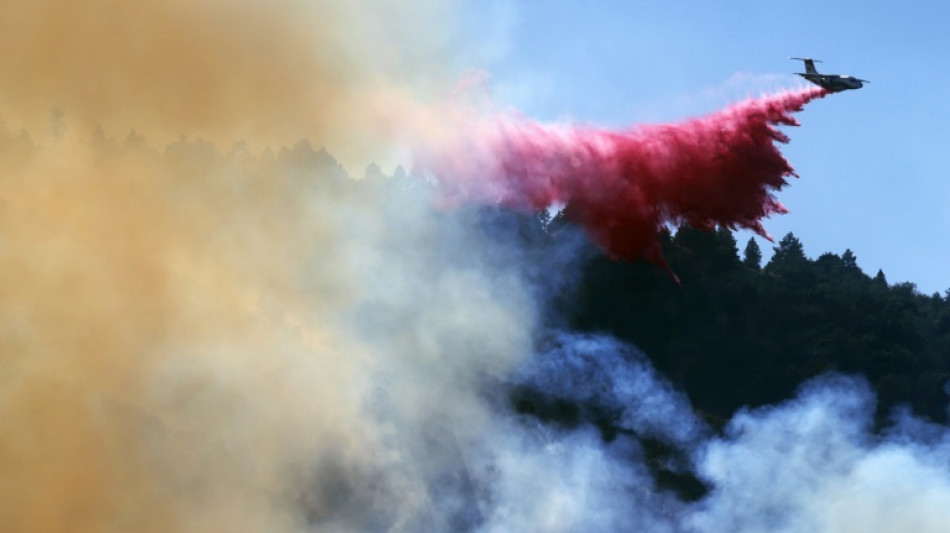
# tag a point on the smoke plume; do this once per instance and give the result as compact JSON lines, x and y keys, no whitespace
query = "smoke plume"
{"x":623,"y":186}
{"x":205,"y":325}
{"x":180,"y":346}
{"x":263,"y":72}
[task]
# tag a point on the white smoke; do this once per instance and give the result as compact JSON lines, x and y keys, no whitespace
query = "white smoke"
{"x":813,"y":464}
{"x":274,"y":349}
{"x":191,"y":341}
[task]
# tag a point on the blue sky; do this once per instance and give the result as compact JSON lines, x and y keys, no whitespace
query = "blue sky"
{"x":873,"y":162}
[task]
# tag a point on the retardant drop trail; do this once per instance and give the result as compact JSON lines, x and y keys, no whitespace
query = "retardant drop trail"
{"x":624,"y":186}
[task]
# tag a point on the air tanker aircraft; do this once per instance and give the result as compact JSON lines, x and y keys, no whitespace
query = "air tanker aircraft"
{"x":831,"y":82}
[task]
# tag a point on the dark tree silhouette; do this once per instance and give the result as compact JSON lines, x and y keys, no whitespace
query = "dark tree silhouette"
{"x":753,"y":255}
{"x":736,"y":336}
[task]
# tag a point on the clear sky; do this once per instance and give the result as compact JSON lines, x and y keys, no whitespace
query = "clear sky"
{"x":873,"y":162}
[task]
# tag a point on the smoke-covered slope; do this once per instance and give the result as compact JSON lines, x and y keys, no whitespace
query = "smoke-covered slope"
{"x":226,"y":333}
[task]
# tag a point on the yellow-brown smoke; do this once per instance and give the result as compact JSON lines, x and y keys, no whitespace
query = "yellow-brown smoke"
{"x":267,"y":72}
{"x":137,"y":300}
{"x":162,"y":309}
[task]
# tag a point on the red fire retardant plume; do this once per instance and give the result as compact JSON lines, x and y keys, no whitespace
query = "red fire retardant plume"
{"x":625,"y":186}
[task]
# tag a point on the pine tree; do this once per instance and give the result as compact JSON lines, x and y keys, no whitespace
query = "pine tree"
{"x":753,"y":255}
{"x":879,"y":279}
{"x":789,"y":252}
{"x":850,"y":261}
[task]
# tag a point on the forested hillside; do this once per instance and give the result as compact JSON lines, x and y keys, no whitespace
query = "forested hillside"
{"x":727,"y":331}
{"x":738,"y":333}
{"x":732,"y":333}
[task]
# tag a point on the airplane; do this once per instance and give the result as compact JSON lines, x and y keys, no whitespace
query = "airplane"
{"x":830,"y":82}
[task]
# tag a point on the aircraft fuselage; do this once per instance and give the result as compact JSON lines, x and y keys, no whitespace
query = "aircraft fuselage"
{"x":833,"y":82}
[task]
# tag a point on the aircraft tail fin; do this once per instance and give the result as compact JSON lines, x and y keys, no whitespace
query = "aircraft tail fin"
{"x":809,"y":64}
